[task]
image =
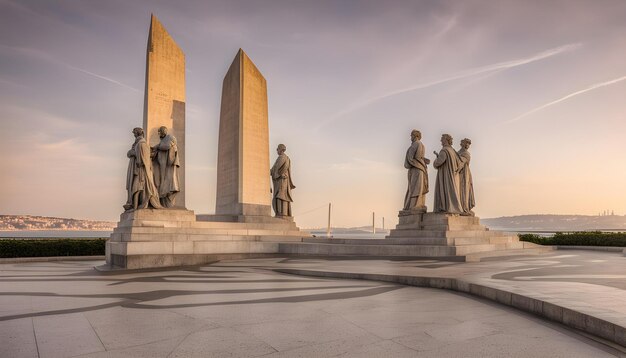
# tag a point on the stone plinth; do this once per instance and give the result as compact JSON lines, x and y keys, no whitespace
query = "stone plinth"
{"x":149,"y":238}
{"x":243,"y":182}
{"x":164,"y":97}
{"x":423,"y":235}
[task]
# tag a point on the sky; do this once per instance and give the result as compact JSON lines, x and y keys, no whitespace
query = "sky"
{"x":538,"y":86}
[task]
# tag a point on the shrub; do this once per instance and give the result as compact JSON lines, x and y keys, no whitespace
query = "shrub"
{"x":595,"y":238}
{"x":51,"y":247}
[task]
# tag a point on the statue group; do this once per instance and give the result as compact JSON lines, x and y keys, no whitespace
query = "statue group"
{"x":152,"y":180}
{"x":454,"y":191}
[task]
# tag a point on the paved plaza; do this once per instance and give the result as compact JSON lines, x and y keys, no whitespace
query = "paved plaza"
{"x":244,"y":308}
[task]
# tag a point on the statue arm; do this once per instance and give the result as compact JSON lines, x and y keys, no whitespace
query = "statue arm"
{"x":441,"y":158}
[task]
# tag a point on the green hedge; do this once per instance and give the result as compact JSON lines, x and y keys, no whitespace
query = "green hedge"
{"x":52,"y":247}
{"x":578,"y":239}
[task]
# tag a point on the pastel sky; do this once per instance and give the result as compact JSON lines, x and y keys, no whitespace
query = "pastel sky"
{"x":538,"y":86}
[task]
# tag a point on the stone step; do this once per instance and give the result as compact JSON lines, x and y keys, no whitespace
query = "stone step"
{"x":206,"y":225}
{"x":485,"y":240}
{"x":189,"y":248}
{"x":435,"y":218}
{"x":468,"y":249}
{"x":158,"y":215}
{"x":447,"y":233}
{"x":242,"y":230}
{"x":418,"y":241}
{"x":177,"y":236}
{"x":444,"y":227}
{"x":351,"y":247}
{"x":526,"y":251}
{"x":390,"y":241}
{"x":366,"y":250}
{"x":236,"y":225}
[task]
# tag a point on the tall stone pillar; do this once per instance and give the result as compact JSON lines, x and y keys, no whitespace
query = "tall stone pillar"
{"x":164,"y":97}
{"x":243,"y":182}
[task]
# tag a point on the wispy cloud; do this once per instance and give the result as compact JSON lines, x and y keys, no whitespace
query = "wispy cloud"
{"x":102,"y":77}
{"x":564,"y":98}
{"x":42,"y":55}
{"x":460,"y":75}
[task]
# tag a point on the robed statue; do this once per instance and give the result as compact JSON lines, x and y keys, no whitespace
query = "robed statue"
{"x":142,"y":192}
{"x":166,"y":164}
{"x":447,"y":188}
{"x":281,"y":178}
{"x":415,"y":162}
{"x":465,"y":178}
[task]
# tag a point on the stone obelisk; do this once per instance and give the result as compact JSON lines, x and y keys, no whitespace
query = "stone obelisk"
{"x":164,"y":98}
{"x":243,"y":182}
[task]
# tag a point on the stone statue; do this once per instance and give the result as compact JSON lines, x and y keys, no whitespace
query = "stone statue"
{"x":465,"y":178}
{"x":142,"y":193}
{"x":281,"y":177}
{"x":166,"y":164}
{"x":414,"y":161}
{"x":447,"y":189}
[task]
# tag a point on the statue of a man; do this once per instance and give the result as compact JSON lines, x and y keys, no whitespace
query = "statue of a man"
{"x":465,"y":178}
{"x":447,"y":189}
{"x":142,"y":193}
{"x":166,"y":164}
{"x":414,"y":161}
{"x":281,"y":178}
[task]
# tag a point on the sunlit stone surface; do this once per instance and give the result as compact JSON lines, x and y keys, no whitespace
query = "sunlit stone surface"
{"x":164,"y":101}
{"x":243,"y":182}
{"x":235,"y":309}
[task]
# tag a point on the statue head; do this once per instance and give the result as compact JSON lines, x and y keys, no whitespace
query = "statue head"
{"x":162,"y":131}
{"x":138,"y":132}
{"x":281,"y":149}
{"x":416,"y":135}
{"x":446,"y":139}
{"x":465,"y":143}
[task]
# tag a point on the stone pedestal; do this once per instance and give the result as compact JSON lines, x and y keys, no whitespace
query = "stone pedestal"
{"x":422,"y":235}
{"x":149,"y":238}
{"x":464,"y":235}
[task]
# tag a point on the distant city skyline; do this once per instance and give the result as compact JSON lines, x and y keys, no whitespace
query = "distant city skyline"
{"x":539,"y":87}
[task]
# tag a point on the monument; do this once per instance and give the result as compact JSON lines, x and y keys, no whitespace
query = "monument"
{"x":164,"y":96}
{"x":158,"y":233}
{"x":243,"y":159}
{"x":450,"y":232}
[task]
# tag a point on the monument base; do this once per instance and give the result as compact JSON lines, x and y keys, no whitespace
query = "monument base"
{"x":149,"y":238}
{"x":424,"y":235}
